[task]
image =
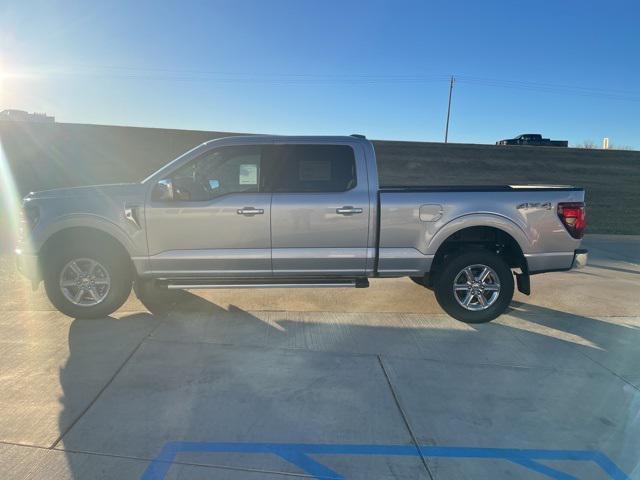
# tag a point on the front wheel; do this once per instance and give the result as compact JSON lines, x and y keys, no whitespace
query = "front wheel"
{"x":88,"y":281}
{"x":475,"y":287}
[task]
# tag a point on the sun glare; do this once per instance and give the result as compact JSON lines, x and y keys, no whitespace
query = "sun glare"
{"x":9,"y":202}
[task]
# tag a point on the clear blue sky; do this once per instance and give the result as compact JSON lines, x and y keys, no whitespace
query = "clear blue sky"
{"x":567,"y":69}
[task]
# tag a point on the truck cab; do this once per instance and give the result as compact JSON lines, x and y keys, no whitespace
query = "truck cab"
{"x":260,"y":207}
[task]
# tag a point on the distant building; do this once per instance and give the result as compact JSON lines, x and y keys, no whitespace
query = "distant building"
{"x":605,"y":143}
{"x":22,"y":116}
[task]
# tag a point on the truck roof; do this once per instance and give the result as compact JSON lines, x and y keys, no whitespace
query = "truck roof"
{"x":291,"y":138}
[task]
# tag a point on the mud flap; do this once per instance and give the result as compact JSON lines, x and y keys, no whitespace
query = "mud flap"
{"x":524,"y":283}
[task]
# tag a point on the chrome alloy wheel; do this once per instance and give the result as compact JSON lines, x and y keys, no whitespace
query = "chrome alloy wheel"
{"x":85,"y":282}
{"x":476,"y":287}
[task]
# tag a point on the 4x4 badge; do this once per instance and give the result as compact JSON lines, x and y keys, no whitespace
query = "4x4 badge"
{"x":526,"y":206}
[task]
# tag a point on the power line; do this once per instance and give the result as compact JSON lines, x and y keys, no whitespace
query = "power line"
{"x":291,"y":78}
{"x":552,"y":88}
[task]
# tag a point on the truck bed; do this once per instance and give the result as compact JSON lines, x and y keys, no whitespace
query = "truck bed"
{"x":412,"y":221}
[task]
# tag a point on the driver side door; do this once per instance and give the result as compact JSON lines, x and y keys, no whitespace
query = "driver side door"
{"x":218,"y":222}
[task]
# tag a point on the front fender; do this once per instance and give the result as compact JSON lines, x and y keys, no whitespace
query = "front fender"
{"x":40,"y":235}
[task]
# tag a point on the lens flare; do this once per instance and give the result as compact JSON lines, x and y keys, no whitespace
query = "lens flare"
{"x":18,"y":291}
{"x":10,"y":206}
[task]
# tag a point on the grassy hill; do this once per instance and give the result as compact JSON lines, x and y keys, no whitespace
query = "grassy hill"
{"x":54,"y":155}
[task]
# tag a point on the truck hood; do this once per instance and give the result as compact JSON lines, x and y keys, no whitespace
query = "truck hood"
{"x":110,"y":191}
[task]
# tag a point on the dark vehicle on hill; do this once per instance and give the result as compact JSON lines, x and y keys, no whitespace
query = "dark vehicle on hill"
{"x":533,"y":139}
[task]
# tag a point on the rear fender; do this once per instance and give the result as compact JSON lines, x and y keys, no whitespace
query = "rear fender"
{"x":479,"y":220}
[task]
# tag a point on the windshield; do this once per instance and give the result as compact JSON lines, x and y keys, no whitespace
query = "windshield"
{"x":169,"y":166}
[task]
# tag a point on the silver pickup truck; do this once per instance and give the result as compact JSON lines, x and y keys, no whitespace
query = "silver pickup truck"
{"x":269,"y":211}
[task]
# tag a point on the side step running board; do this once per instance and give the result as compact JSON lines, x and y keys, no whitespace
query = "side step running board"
{"x":333,"y":283}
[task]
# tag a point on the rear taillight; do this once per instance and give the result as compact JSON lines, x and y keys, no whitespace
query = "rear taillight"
{"x":573,"y":217}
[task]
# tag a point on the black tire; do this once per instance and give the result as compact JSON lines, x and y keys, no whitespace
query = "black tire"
{"x":454,"y":265}
{"x":157,"y":299}
{"x":114,"y":261}
{"x":423,"y":281}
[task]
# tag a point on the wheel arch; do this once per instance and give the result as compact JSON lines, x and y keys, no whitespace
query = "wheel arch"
{"x":489,"y":237}
{"x":490,"y":220}
{"x":79,"y":235}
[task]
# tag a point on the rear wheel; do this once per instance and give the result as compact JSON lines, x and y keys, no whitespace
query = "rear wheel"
{"x":475,"y":287}
{"x":88,"y":281}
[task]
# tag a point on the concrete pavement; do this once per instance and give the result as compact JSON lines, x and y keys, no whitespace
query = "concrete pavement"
{"x":374,"y":383}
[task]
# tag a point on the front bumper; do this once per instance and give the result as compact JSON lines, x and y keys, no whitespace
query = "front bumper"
{"x":28,"y":265}
{"x":580,"y":258}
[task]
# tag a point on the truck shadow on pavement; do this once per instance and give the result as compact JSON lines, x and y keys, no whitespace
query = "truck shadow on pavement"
{"x":610,"y":342}
{"x":614,"y":269}
{"x":123,"y":418}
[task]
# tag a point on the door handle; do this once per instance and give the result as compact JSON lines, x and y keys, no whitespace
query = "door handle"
{"x":348,"y":210}
{"x":250,"y":211}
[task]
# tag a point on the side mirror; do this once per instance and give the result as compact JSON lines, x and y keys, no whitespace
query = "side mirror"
{"x":163,"y":191}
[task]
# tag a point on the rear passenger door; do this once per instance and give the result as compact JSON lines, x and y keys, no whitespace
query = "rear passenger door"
{"x":319,"y":209}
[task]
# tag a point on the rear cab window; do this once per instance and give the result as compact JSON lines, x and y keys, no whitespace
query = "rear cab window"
{"x":309,"y":168}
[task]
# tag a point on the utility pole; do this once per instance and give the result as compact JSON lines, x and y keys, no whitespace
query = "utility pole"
{"x":446,"y":132}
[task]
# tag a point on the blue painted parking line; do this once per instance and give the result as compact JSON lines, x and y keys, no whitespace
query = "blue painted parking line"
{"x":298,"y":455}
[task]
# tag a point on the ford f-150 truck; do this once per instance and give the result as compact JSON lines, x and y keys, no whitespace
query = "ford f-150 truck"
{"x":270,"y":211}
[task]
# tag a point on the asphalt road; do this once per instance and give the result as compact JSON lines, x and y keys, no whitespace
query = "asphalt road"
{"x":360,"y":384}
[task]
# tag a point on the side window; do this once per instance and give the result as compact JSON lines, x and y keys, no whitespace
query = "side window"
{"x":309,"y":168}
{"x":220,"y":172}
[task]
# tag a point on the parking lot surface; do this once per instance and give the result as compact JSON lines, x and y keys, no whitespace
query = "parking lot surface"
{"x":371,"y":383}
